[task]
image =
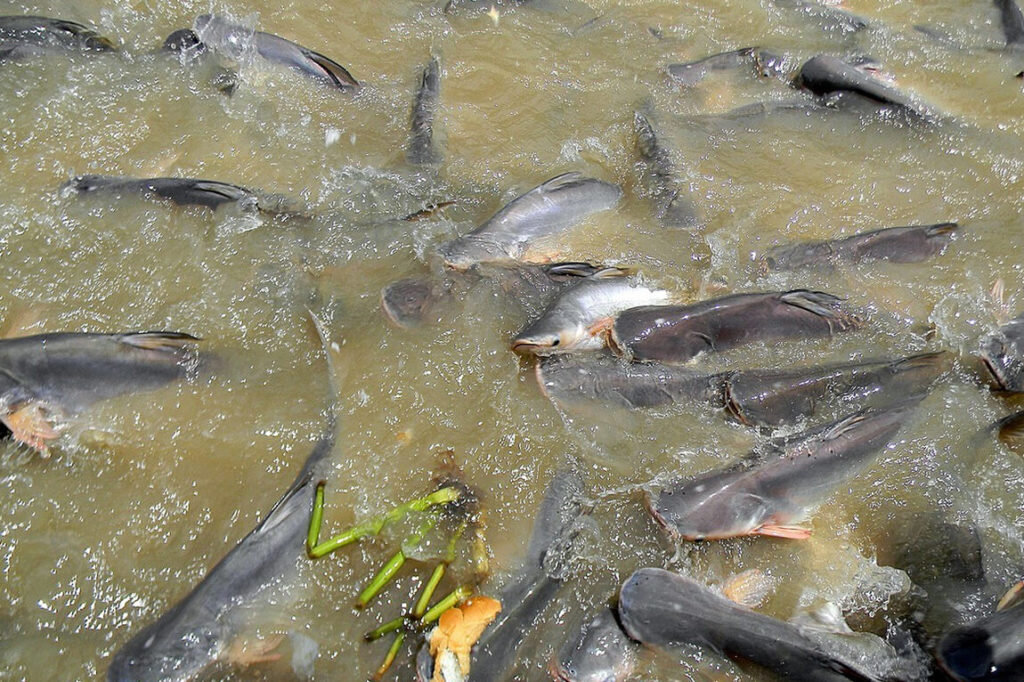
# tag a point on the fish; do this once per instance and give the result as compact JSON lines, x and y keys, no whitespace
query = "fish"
{"x":22,"y":37}
{"x":761,"y":62}
{"x":182,"y":191}
{"x":830,"y":19}
{"x":599,"y":652}
{"x":544,"y":212}
{"x":223,"y":35}
{"x":576,"y":319}
{"x":677,"y":334}
{"x":1012,"y":20}
{"x":769,"y":493}
{"x":199,"y":630}
{"x":1002,"y":352}
{"x":847,"y":85}
{"x":991,"y":648}
{"x":531,"y":589}
{"x":408,"y":302}
{"x":534,"y":586}
{"x":421,"y":150}
{"x":604,"y":379}
{"x":47,"y":377}
{"x":672,"y":208}
{"x":774,"y":397}
{"x":665,"y":610}
{"x":910,"y":244}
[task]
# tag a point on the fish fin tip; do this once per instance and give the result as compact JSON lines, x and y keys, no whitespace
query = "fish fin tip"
{"x":787,"y":532}
{"x":749,"y":588}
{"x":1013,"y":596}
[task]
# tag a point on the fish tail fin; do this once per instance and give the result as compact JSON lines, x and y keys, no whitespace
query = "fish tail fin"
{"x":823,"y":305}
{"x":333,"y":70}
{"x":160,"y":341}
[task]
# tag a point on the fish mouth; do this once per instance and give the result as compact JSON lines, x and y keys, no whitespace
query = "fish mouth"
{"x":994,"y":374}
{"x":527,"y":347}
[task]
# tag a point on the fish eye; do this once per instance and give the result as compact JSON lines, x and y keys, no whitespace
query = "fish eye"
{"x":555,"y":341}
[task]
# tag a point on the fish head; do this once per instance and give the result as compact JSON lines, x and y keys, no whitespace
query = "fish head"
{"x":407,"y":302}
{"x":967,"y":653}
{"x":465,"y":252}
{"x":1003,"y":355}
{"x":545,"y":337}
{"x":184,"y":41}
{"x":711,"y":508}
{"x":157,"y":653}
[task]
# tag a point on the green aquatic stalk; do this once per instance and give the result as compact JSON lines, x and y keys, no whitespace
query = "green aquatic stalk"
{"x":316,"y":519}
{"x":435,"y":577}
{"x":390,"y":626}
{"x":453,"y":598}
{"x":394,"y":564}
{"x":390,"y":658}
{"x":374,"y":526}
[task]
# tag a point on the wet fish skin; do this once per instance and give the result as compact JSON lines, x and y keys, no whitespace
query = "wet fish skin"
{"x":545,"y":211}
{"x":1002,"y":351}
{"x":991,"y":648}
{"x":677,"y":334}
{"x":763,"y":63}
{"x":567,"y":325}
{"x":197,"y":631}
{"x":600,"y":652}
{"x":910,"y":244}
{"x":69,"y":371}
{"x":830,"y":19}
{"x":663,"y":609}
{"x":774,"y":397}
{"x":221,"y":33}
{"x":767,"y":492}
{"x":29,"y":36}
{"x":535,"y":585}
{"x":421,"y":149}
{"x":671,"y":206}
{"x":605,"y":379}
{"x":182,"y":191}
{"x":1012,"y":20}
{"x":829,"y":76}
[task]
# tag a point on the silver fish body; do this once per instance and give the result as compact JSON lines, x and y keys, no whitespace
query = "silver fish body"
{"x":22,"y":37}
{"x":544,"y":212}
{"x":911,"y":244}
{"x":664,"y":610}
{"x":599,"y":652}
{"x":765,"y":495}
{"x":568,"y":323}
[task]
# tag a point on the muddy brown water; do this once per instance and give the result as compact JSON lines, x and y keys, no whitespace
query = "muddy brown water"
{"x":145,"y":493}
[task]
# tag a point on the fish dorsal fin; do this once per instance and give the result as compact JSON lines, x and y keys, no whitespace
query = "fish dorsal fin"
{"x":162,"y":341}
{"x":222,"y":189}
{"x":823,"y":305}
{"x":923,"y":360}
{"x":844,"y":426}
{"x":560,"y":182}
{"x":335,"y":71}
{"x":1011,"y":431}
{"x":941,"y":228}
{"x":1013,"y":597}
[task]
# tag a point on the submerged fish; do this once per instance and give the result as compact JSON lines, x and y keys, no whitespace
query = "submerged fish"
{"x":828,"y":18}
{"x":221,"y":34}
{"x":421,"y":149}
{"x":408,"y":302}
{"x":827,"y":75}
{"x":199,"y":630}
{"x":761,"y":62}
{"x":772,"y":397}
{"x":671,"y":207}
{"x":22,"y":37}
{"x":1002,"y":351}
{"x":676,"y":334}
{"x":602,"y":378}
{"x":577,"y":319}
{"x":991,"y":648}
{"x":528,"y":594}
{"x":182,"y":191}
{"x":1012,"y":20}
{"x":769,"y":494}
{"x":50,"y":376}
{"x":543,"y":212}
{"x":667,"y":610}
{"x":911,"y":244}
{"x":599,"y":652}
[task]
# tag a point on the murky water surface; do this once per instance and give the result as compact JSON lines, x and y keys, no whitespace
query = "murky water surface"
{"x":145,"y":493}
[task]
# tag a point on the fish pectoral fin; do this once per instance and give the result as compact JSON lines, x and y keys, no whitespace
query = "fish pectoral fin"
{"x":749,"y":588}
{"x":244,"y":652}
{"x":788,"y":532}
{"x":165,"y":341}
{"x":1013,"y":596}
{"x":335,"y":71}
{"x":29,"y":425}
{"x":601,"y":327}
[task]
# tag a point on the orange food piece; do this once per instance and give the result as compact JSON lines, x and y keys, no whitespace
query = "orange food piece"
{"x":458,"y":629}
